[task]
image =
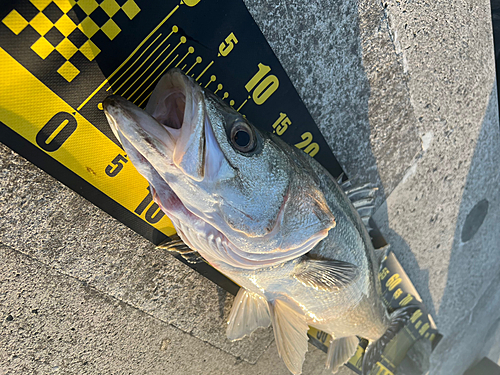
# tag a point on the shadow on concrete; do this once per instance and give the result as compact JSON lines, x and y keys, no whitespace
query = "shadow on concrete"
{"x":371,"y":112}
{"x":470,"y":306}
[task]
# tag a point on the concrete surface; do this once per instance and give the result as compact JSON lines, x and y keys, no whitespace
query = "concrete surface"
{"x":404,"y":93}
{"x":55,"y":323}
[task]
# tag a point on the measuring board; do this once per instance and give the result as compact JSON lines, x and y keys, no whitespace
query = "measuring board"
{"x":59,"y":59}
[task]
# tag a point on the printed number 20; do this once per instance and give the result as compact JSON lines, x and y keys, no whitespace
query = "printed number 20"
{"x":312,"y":148}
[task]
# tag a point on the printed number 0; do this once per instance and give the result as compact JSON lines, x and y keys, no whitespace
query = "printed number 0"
{"x":154,"y":214}
{"x":321,"y":336}
{"x":312,"y":148}
{"x":56,"y":131}
{"x":225,"y":49}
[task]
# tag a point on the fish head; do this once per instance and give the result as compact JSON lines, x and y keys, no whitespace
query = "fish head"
{"x":252,"y":188}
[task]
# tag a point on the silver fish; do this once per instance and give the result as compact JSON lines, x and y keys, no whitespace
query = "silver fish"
{"x":264,"y":214}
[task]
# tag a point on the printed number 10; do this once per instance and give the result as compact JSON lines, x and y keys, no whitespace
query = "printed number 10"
{"x":266,"y":86}
{"x":154,"y":214}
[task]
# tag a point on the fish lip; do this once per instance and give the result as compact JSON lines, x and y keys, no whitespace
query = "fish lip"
{"x":109,"y":105}
{"x":138,"y":132}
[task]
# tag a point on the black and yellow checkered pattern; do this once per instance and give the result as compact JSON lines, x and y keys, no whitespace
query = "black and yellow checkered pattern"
{"x":61,"y":31}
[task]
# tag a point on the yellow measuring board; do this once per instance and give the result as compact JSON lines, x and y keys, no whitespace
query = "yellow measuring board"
{"x":59,"y":59}
{"x":22,"y":90}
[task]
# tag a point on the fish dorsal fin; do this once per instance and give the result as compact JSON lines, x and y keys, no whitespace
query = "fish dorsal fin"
{"x":249,"y":312}
{"x":362,"y":198}
{"x":327,"y":275}
{"x":290,"y":334}
{"x":340,"y":351}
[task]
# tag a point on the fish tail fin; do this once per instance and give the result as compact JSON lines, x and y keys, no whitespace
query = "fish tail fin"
{"x":340,"y":351}
{"x":398,"y":320}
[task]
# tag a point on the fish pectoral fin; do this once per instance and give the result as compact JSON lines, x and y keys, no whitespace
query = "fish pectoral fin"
{"x":249,"y":312}
{"x":398,"y":320}
{"x":340,"y":351}
{"x":290,"y":334}
{"x":327,"y":275}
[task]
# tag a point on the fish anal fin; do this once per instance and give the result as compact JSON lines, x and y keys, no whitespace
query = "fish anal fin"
{"x":290,"y":333}
{"x":249,"y":312}
{"x":398,"y":320}
{"x":340,"y":351}
{"x":327,"y":275}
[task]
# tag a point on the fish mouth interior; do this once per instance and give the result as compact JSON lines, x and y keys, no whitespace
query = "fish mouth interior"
{"x":171,"y":113}
{"x":171,"y":102}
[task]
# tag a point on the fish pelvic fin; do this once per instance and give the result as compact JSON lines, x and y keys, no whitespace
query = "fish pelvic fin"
{"x":290,"y":334}
{"x":326,"y":275}
{"x":340,"y":351}
{"x":398,"y":320}
{"x":176,"y":246}
{"x":249,"y":312}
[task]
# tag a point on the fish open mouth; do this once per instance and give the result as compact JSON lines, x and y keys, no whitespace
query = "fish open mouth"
{"x":173,"y":124}
{"x":177,"y":103}
{"x":168,"y":102}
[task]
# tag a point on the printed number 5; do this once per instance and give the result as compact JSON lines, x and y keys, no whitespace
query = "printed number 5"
{"x":228,"y":45}
{"x":190,"y":3}
{"x":118,"y":166}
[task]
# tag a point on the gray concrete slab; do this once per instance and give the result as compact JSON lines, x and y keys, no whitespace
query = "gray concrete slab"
{"x":450,"y":62}
{"x":341,"y":59}
{"x":47,"y":221}
{"x":52,"y":323}
{"x":404,"y":93}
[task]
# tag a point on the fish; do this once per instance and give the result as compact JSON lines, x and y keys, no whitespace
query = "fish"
{"x":266,"y":215}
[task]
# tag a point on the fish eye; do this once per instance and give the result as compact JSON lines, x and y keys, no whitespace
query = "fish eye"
{"x":242,"y":137}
